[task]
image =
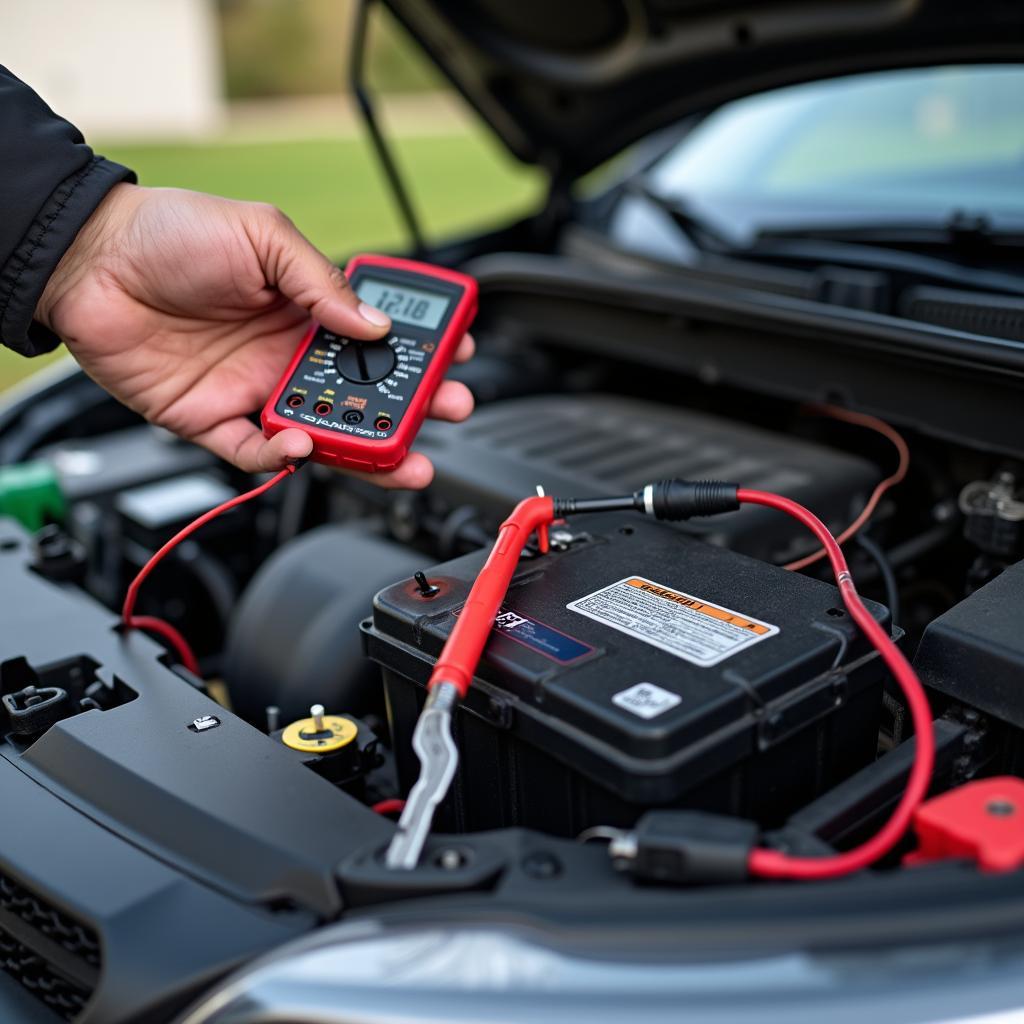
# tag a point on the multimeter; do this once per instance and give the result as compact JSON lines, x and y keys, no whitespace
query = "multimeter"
{"x":363,"y":402}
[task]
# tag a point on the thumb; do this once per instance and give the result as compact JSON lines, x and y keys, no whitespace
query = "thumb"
{"x":302,"y":273}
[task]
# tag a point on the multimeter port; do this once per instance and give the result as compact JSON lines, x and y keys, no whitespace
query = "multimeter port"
{"x":383,"y":423}
{"x":352,"y":416}
{"x":323,"y":408}
{"x":295,"y":401}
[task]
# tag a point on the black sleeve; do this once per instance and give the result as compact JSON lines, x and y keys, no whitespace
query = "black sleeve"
{"x":50,"y":182}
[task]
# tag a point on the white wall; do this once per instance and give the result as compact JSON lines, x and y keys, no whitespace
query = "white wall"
{"x":119,"y":69}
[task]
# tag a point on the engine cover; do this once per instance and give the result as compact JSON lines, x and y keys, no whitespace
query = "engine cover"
{"x":588,"y":445}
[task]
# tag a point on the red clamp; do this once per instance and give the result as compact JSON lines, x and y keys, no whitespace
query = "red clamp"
{"x":982,"y":821}
{"x":452,"y":677}
{"x":461,"y":654}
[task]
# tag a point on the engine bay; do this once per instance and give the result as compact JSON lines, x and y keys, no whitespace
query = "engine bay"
{"x":635,"y":666}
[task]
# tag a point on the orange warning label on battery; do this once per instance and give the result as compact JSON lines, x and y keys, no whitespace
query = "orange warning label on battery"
{"x":701,"y":607}
{"x":699,"y":631}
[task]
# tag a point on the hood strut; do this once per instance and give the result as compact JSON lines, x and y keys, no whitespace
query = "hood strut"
{"x":364,"y":102}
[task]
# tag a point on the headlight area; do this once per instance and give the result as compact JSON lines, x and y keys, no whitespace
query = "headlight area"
{"x":497,"y":967}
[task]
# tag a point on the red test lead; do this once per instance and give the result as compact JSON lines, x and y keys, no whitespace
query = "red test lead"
{"x":453,"y":675}
{"x":149,"y":623}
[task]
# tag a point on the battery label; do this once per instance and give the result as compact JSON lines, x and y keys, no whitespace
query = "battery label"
{"x":539,"y":637}
{"x":697,"y":631}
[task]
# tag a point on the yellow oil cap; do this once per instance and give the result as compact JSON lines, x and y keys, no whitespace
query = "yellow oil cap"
{"x":320,"y":733}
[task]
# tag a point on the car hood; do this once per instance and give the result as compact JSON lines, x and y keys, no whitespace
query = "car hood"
{"x":567,"y":84}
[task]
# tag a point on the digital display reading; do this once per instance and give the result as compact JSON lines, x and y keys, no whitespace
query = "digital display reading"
{"x":404,"y":305}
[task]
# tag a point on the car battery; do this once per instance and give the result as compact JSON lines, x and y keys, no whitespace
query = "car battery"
{"x":636,"y":667}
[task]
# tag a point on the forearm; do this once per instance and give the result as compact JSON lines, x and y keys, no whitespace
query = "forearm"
{"x":50,"y":184}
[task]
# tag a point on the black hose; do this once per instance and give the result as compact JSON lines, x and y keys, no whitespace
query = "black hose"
{"x":885,"y":572}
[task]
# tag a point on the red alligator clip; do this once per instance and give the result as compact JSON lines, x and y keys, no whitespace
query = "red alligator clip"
{"x":982,"y":821}
{"x":461,"y":654}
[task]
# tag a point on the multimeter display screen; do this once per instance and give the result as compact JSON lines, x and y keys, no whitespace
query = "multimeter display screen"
{"x":404,"y":305}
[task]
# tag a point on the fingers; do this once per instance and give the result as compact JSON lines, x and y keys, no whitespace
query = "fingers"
{"x":307,"y":277}
{"x":452,"y":401}
{"x":466,"y":349}
{"x":242,"y":443}
{"x":415,"y":472}
{"x":284,"y":447}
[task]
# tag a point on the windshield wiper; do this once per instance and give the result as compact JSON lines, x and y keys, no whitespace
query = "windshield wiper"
{"x":909,"y":252}
{"x":697,"y":228}
{"x":963,"y":234}
{"x":901,"y":251}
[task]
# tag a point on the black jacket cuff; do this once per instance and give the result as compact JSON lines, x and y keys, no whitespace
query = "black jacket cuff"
{"x":49,"y":236}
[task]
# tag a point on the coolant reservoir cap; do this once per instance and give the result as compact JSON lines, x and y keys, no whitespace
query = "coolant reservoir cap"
{"x":320,"y":735}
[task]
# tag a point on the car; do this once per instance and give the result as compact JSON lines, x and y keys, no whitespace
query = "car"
{"x":781,"y":247}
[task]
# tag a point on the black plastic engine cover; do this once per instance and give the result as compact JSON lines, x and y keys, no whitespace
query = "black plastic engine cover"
{"x":701,"y":678}
{"x":141,"y":856}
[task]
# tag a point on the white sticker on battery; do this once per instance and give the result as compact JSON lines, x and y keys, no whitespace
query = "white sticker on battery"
{"x":690,"y":628}
{"x":646,"y":700}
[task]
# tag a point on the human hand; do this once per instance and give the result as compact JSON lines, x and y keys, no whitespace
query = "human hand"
{"x":187,"y":308}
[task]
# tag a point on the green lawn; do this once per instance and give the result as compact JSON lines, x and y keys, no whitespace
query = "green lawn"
{"x":333,"y":191}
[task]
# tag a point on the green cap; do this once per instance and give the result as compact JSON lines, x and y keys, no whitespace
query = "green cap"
{"x":30,"y":492}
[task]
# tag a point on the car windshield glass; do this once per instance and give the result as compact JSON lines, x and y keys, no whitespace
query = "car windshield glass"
{"x":921,"y":145}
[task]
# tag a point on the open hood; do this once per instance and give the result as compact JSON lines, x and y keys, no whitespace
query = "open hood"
{"x":569,"y":83}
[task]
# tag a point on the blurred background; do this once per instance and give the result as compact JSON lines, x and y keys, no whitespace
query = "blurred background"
{"x":248,"y":99}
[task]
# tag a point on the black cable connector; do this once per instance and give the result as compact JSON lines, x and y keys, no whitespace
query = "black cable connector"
{"x":684,"y":499}
{"x":666,"y":499}
{"x":685,"y":847}
{"x":579,"y":506}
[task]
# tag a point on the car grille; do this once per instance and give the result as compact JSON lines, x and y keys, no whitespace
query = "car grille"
{"x":51,"y":955}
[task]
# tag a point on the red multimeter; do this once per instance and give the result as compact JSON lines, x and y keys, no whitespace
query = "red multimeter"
{"x":363,"y":402}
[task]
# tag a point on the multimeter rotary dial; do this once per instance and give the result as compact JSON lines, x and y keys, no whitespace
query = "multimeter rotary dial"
{"x":366,"y":362}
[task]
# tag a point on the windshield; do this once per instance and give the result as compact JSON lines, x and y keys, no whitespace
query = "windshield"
{"x":912,"y":145}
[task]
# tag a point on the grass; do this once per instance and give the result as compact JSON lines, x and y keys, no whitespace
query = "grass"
{"x":334,"y":191}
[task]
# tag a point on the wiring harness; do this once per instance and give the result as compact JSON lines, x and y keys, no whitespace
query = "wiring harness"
{"x":897,"y":476}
